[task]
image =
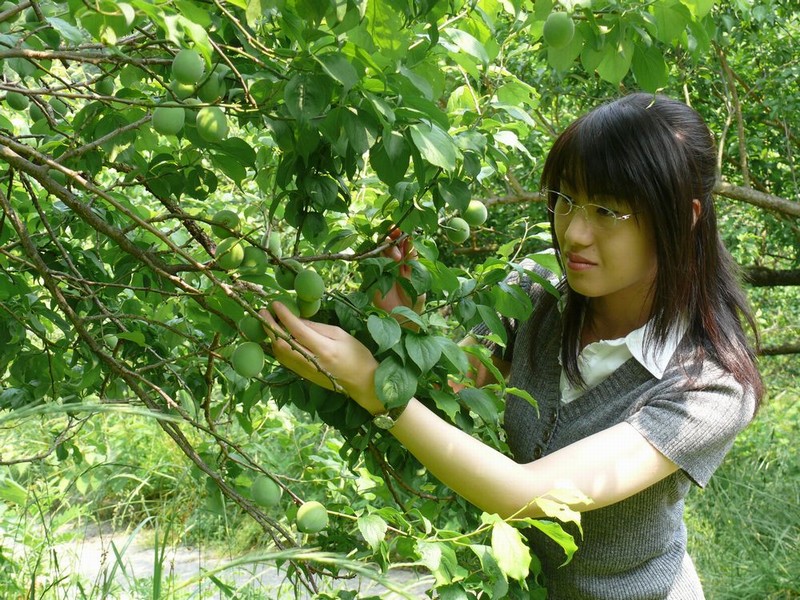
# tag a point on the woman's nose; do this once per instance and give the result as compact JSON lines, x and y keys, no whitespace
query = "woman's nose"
{"x":578,"y":229}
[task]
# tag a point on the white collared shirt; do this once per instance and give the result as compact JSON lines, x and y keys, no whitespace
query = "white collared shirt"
{"x":599,"y":359}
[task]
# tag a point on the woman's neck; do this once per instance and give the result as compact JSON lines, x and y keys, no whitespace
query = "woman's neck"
{"x":602,"y":322}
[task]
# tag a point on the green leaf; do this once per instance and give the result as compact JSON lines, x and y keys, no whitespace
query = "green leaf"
{"x":482,"y":403}
{"x":230,"y":166}
{"x":556,"y":533}
{"x":491,"y":570}
{"x":650,"y":68}
{"x":137,"y":337}
{"x":423,"y":350}
{"x":373,"y":529}
{"x":384,"y":330}
{"x":435,"y":145}
{"x":561,"y":59}
{"x":390,"y":157}
{"x":465,"y":42}
{"x":306,"y":96}
{"x":511,"y":301}
{"x":616,"y":62}
{"x":456,"y":193}
{"x":671,"y":18}
{"x":509,"y":549}
{"x":338,"y":68}
{"x":11,"y":491}
{"x":67,"y":31}
{"x":493,"y":322}
{"x":454,"y":354}
{"x":408,"y":314}
{"x":699,"y":8}
{"x":237,"y":148}
{"x":525,"y":395}
{"x":446,"y":401}
{"x":394,"y":383}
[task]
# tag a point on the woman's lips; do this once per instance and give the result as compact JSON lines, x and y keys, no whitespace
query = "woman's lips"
{"x":576,"y":262}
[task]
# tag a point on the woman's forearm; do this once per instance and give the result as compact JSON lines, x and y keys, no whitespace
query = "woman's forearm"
{"x":485,"y":477}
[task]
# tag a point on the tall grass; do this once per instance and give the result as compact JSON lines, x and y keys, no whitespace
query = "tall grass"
{"x":744,"y":529}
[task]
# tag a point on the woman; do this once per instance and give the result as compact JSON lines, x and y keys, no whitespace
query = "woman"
{"x":643,"y":374}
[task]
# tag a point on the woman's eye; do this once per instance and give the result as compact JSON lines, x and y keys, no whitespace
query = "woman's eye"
{"x":606,"y":213}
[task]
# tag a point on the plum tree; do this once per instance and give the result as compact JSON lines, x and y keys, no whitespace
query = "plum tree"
{"x":17,"y":101}
{"x":212,"y":124}
{"x":309,"y":285}
{"x":230,"y":253}
{"x":224,"y":223}
{"x":188,"y":66}
{"x":254,"y":262}
{"x":308,"y":308}
{"x":559,"y":28}
{"x":475,"y":214}
{"x":312,"y":517}
{"x":252,"y":329}
{"x":457,"y":230}
{"x":286,"y":272}
{"x":265,"y":492}
{"x":248,"y":359}
{"x":168,"y":120}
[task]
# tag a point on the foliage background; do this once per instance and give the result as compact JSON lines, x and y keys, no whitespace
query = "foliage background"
{"x":344,"y":118}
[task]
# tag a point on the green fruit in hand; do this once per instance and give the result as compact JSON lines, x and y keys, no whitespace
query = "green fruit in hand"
{"x":212,"y":124}
{"x":308,"y":308}
{"x":309,"y":285}
{"x":558,"y":30}
{"x":230,"y":253}
{"x":248,"y":359}
{"x":255,"y":261}
{"x":265,"y":492}
{"x":457,"y":230}
{"x":252,"y":329}
{"x":476,"y":213}
{"x":224,"y":223}
{"x":168,"y":120}
{"x":17,"y":101}
{"x":188,"y":66}
{"x":286,"y":272}
{"x":312,"y":517}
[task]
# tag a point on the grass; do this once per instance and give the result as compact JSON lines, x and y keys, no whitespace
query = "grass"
{"x":744,"y":529}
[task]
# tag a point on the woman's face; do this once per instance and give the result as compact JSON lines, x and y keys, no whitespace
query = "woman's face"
{"x":607,"y":255}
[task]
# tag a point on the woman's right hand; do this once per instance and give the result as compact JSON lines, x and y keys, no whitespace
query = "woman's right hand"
{"x":395,"y":296}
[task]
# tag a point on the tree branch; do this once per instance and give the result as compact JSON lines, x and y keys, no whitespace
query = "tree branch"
{"x":763,"y":277}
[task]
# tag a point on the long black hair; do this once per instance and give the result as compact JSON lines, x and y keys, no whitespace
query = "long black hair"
{"x":658,"y":155}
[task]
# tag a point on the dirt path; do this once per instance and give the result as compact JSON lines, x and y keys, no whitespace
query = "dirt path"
{"x":94,"y":560}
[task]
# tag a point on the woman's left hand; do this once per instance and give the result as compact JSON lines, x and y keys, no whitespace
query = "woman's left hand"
{"x":335,"y":351}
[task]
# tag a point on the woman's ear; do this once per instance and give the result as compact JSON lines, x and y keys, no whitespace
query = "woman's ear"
{"x":697,"y":210}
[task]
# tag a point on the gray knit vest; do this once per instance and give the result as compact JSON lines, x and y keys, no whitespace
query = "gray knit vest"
{"x":635,"y":549}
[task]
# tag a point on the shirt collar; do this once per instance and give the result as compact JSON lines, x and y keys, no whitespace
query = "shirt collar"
{"x":656,"y":357}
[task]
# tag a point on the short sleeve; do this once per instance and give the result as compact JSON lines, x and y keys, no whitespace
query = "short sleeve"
{"x":696,"y":427}
{"x":535,"y":291}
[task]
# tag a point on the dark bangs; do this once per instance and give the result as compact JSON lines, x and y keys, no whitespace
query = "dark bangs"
{"x":624,"y":151}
